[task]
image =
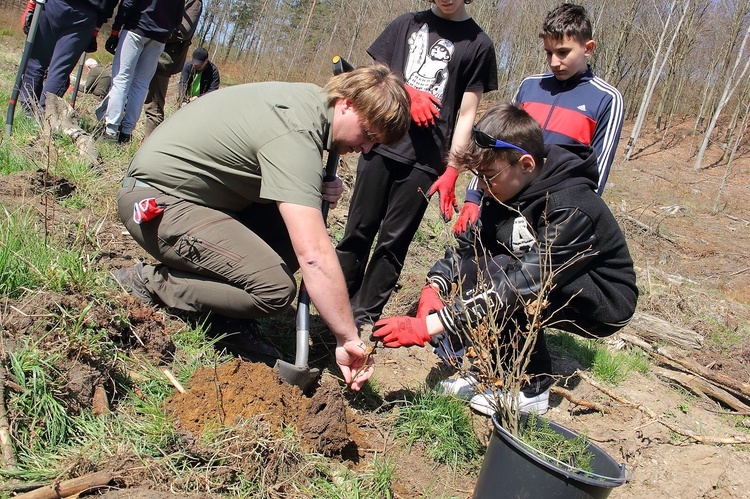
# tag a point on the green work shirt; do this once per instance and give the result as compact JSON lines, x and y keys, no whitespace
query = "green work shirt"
{"x":258,"y":142}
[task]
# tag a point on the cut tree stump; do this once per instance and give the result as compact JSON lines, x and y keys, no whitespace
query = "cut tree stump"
{"x":62,"y":118}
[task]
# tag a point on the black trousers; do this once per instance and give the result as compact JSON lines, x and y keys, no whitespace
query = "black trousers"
{"x":388,"y":201}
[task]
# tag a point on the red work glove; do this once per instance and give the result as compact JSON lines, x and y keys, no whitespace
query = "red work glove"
{"x":468,"y":217}
{"x":445,"y":186}
{"x":423,"y":107}
{"x":146,"y":210}
{"x":429,"y":301}
{"x":28,"y":13}
{"x":401,"y":332}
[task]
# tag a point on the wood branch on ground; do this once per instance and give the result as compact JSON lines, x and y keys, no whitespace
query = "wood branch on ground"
{"x":656,"y":330}
{"x":644,"y":227}
{"x":568,"y":395}
{"x":9,"y":454}
{"x":668,"y":357}
{"x":62,"y":118}
{"x":174,"y":381}
{"x":71,"y":487}
{"x":704,"y":439}
{"x":702,"y":388}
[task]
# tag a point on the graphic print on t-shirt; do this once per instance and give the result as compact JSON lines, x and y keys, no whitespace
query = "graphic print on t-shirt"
{"x":427,"y":66}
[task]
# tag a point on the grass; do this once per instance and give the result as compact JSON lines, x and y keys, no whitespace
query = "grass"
{"x":34,"y":256}
{"x":442,"y":424}
{"x":605,"y":365}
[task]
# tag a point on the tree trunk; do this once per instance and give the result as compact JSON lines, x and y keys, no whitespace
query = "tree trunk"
{"x":732,"y":82}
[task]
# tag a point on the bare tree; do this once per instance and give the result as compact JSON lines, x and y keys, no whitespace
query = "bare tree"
{"x":661,"y":56}
{"x":733,"y":81}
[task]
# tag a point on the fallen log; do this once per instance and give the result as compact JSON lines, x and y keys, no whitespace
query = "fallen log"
{"x":668,"y":357}
{"x":656,"y":330}
{"x":70,"y":487}
{"x":701,"y":387}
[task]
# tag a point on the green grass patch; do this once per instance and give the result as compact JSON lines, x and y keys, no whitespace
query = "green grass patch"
{"x":605,"y":365}
{"x":442,"y":424}
{"x":33,"y":257}
{"x":613,"y":367}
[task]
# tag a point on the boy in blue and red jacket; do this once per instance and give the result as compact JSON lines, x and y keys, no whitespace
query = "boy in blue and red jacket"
{"x":571,"y":104}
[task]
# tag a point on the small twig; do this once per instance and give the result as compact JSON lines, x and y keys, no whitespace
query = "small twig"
{"x":174,"y":381}
{"x":577,"y":401}
{"x":219,"y":394}
{"x":704,"y":439}
{"x":369,"y":352}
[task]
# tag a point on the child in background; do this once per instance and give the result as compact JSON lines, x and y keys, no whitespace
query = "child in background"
{"x":571,"y":104}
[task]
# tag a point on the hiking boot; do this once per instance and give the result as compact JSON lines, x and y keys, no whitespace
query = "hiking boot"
{"x":124,"y":138}
{"x":131,"y":281}
{"x":241,"y":337}
{"x":112,"y":137}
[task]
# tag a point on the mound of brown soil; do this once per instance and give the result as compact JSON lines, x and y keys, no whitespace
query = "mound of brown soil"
{"x":241,"y":390}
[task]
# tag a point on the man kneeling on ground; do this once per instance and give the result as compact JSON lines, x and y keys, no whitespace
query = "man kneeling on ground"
{"x":227,"y":194}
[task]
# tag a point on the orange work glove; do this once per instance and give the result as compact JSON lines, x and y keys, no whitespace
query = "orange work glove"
{"x":445,"y":186}
{"x":401,"y":332}
{"x":424,"y":106}
{"x":429,"y":301}
{"x":468,"y":217}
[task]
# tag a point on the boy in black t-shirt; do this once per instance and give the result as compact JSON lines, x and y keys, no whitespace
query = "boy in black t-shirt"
{"x":448,"y":62}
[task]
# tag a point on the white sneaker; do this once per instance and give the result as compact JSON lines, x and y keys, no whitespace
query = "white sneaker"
{"x":486,"y":404}
{"x":464,"y":387}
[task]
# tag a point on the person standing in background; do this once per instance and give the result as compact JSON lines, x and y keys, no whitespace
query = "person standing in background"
{"x":146,"y":25}
{"x":171,"y":61}
{"x":448,"y":62}
{"x":572,"y":105}
{"x":66,"y":29}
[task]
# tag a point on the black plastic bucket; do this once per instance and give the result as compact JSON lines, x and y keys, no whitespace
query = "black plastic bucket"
{"x":511,"y":470}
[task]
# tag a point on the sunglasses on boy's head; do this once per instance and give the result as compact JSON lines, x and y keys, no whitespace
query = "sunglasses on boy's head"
{"x":486,"y":141}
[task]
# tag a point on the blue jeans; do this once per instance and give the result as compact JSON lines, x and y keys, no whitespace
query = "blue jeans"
{"x":135,"y":63}
{"x":63,"y":33}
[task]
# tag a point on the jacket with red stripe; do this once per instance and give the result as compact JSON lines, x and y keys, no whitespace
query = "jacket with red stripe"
{"x":583,"y":109}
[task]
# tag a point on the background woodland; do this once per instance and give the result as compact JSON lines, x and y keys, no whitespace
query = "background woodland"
{"x":673,"y":60}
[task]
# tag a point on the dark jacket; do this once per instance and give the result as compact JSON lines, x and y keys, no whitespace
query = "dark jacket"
{"x":154,"y":19}
{"x":209,"y":80}
{"x":104,"y":10}
{"x":559,"y":225}
{"x":172,"y":59}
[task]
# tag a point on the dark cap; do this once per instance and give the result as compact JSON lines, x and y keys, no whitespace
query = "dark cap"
{"x":200,"y":55}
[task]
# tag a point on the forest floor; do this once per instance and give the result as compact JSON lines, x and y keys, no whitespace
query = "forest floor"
{"x":693,"y":269}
